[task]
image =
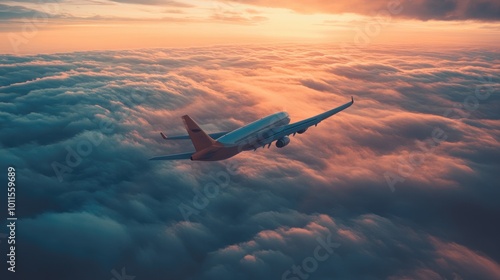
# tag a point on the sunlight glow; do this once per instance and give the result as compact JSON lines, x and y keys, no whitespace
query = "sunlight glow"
{"x":105,"y":24}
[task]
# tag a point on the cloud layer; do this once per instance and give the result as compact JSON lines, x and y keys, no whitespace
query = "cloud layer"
{"x":425,"y":124}
{"x":418,"y":9}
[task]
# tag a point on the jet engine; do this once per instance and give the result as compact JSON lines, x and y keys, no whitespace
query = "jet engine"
{"x":302,"y":131}
{"x":282,"y":142}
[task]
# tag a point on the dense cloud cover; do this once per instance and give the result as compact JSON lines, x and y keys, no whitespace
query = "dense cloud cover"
{"x":404,"y":184}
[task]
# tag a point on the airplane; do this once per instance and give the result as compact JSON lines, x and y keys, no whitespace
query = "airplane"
{"x":223,"y":145}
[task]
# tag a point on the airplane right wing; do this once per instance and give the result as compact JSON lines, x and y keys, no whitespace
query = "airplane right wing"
{"x":302,"y":126}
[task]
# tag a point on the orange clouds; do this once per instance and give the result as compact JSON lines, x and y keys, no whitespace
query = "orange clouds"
{"x":328,"y":183}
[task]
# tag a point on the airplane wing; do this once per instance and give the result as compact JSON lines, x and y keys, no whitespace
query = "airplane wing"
{"x":174,"y":157}
{"x":186,"y":137}
{"x":301,"y":126}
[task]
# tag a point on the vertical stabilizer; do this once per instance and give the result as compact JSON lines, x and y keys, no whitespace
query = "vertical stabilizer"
{"x":199,"y":138}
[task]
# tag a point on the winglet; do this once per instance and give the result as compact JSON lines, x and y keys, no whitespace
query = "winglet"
{"x":352,"y":99}
{"x":163,"y":135}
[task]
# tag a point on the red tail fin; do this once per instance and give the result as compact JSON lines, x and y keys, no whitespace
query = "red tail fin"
{"x":199,"y":138}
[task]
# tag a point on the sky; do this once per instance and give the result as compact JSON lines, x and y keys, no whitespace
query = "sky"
{"x":34,"y":26}
{"x":401,"y":185}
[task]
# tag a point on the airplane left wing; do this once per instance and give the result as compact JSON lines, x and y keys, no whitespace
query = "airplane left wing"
{"x":174,"y":157}
{"x":305,"y":124}
{"x":186,"y":137}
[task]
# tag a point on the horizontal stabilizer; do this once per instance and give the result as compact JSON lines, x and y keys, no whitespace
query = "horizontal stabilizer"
{"x":186,"y":137}
{"x":174,"y":157}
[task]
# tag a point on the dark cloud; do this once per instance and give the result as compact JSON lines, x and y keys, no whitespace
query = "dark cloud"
{"x":34,"y":1}
{"x":486,"y":10}
{"x":8,"y":12}
{"x":169,"y":3}
{"x":114,"y":209}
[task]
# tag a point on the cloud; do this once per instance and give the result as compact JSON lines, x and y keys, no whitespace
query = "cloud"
{"x":99,"y":114}
{"x":228,"y":14}
{"x":168,"y":3}
{"x":486,"y":10}
{"x":8,"y":12}
{"x":237,"y":18}
{"x":220,"y":14}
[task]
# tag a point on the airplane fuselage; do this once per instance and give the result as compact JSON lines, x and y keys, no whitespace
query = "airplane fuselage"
{"x":248,"y":137}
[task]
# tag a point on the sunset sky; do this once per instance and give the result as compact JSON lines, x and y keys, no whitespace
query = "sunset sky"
{"x":32,"y":26}
{"x":371,"y":182}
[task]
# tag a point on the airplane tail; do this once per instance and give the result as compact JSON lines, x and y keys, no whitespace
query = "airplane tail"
{"x":199,"y":138}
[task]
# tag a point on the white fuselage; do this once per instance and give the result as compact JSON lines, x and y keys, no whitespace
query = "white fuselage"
{"x":255,"y":133}
{"x":248,"y":137}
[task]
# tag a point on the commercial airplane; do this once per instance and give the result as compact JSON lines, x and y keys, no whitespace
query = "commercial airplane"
{"x":223,"y":145}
